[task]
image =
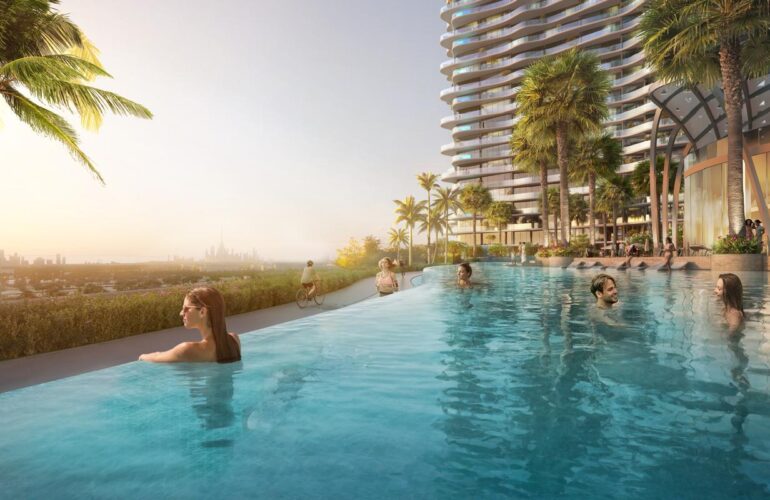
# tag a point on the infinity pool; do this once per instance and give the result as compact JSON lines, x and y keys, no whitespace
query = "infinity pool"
{"x":516,"y":388}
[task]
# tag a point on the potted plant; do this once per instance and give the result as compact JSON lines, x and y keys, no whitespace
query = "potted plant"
{"x":737,"y":253}
{"x":555,"y":256}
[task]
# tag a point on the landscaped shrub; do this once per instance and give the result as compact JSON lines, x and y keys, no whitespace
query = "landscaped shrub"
{"x":43,"y":325}
{"x":555,"y":251}
{"x":737,"y":244}
{"x":498,"y":250}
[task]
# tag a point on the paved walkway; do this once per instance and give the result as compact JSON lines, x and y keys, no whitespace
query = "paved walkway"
{"x":31,"y":370}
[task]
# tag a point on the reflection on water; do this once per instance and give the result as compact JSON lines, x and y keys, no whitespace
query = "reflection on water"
{"x":211,"y":396}
{"x":550,"y":397}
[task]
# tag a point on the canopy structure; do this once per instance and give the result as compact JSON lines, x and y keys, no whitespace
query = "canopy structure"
{"x":699,"y":114}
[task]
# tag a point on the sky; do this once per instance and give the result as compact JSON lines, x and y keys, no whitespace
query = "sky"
{"x":286,"y":127}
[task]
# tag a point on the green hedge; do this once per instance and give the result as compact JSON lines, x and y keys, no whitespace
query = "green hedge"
{"x":38,"y":326}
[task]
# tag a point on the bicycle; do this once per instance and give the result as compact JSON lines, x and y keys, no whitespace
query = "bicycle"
{"x":318,"y":297}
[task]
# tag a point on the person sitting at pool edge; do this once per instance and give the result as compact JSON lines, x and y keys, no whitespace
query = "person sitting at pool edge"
{"x":604,"y":289}
{"x":309,"y":279}
{"x":204,"y":310}
{"x":464,"y":273}
{"x":730,"y":289}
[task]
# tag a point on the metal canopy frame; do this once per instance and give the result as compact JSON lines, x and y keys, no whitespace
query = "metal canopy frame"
{"x":698,"y":113}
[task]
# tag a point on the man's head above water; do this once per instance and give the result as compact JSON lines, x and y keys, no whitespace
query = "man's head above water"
{"x":604,"y":289}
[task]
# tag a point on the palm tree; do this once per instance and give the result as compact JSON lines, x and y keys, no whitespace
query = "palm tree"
{"x":447,"y":201}
{"x":396,"y":238}
{"x":565,"y":96}
{"x":613,"y":192}
{"x":640,"y":181}
{"x":427,"y":181}
{"x":553,"y":201}
{"x":432,"y":220}
{"x":534,"y":154}
{"x":578,"y":208}
{"x":45,"y":60}
{"x":475,"y":198}
{"x":499,"y":213}
{"x":409,"y":212}
{"x":428,"y":224}
{"x":595,"y":156}
{"x":702,"y":41}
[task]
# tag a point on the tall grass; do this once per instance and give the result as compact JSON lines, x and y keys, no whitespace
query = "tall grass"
{"x":38,"y":326}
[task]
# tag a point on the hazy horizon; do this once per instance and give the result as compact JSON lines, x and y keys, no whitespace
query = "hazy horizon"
{"x":287,"y":128}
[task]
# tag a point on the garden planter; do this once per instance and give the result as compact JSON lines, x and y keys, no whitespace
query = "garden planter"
{"x":556,"y":261}
{"x":732,"y":262}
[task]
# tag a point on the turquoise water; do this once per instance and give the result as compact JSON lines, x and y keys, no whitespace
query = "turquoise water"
{"x":517,"y":388}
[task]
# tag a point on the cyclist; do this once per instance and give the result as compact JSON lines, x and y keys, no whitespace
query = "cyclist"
{"x":309,"y":279}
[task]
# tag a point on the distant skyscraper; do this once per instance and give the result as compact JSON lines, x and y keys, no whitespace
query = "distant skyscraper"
{"x":490,"y":44}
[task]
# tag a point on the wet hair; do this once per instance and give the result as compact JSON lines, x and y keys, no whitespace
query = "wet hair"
{"x":227,"y":349}
{"x":597,"y":284}
{"x":310,"y":263}
{"x":467,"y":268}
{"x":732,"y":291}
{"x":386,"y":260}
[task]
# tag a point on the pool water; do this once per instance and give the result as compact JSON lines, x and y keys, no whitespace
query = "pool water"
{"x":518,"y":387}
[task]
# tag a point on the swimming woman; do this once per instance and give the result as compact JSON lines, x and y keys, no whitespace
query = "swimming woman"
{"x":730,"y":289}
{"x":204,"y":310}
{"x":464,"y":273}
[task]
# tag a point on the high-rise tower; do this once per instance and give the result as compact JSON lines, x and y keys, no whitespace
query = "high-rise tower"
{"x":490,"y":43}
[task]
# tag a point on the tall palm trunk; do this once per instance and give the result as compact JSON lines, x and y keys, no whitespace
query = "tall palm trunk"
{"x":729,"y":62}
{"x":604,"y":223}
{"x":474,"y":234}
{"x":544,"y":195}
{"x":562,"y":152}
{"x":411,"y":239}
{"x":591,"y":205}
{"x":614,"y":231}
{"x":446,"y":237}
{"x":427,"y":248}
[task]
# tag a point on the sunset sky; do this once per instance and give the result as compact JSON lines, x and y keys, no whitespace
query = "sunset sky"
{"x":287,"y":126}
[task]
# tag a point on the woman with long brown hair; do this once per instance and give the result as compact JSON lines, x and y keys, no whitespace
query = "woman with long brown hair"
{"x":730,"y":289}
{"x":204,"y":310}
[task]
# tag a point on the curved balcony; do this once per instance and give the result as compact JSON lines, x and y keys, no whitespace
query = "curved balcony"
{"x":526,"y":58}
{"x":468,"y":15}
{"x":633,"y":95}
{"x":475,"y":157}
{"x":464,"y":132}
{"x":564,"y":30}
{"x":457,"y":147}
{"x":631,"y":113}
{"x":643,"y":128}
{"x":636,"y":77}
{"x":641,"y":147}
{"x":476,"y":100}
{"x":521,"y":182}
{"x":458,"y":118}
{"x":455,"y":175}
{"x":452,"y":7}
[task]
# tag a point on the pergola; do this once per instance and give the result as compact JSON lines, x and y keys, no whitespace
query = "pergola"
{"x":698,"y":113}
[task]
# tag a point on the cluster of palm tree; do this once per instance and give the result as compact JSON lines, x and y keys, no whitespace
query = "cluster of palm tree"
{"x":560,"y":109}
{"x":47,"y":61}
{"x":430,"y":216}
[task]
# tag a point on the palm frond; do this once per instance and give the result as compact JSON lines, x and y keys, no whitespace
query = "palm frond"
{"x":48,"y":123}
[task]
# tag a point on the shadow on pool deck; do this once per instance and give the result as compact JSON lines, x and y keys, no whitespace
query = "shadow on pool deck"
{"x":32,"y":370}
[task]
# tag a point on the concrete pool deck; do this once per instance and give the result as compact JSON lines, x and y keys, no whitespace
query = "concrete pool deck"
{"x":40,"y":368}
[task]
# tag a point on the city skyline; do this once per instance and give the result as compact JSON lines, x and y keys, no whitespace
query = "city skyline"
{"x":290,"y":148}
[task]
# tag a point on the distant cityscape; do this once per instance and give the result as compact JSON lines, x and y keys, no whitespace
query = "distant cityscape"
{"x":213,"y":255}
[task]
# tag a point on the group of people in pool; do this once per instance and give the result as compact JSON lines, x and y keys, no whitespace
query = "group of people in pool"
{"x":728,"y":288}
{"x":204,"y":309}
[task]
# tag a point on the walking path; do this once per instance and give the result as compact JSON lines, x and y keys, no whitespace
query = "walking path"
{"x":31,"y":370}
